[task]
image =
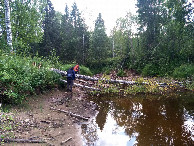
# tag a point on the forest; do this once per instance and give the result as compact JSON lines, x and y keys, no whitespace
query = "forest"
{"x":161,"y":46}
{"x":135,"y":85}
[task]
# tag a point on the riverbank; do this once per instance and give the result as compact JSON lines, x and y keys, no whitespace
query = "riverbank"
{"x":38,"y":121}
{"x":55,"y":117}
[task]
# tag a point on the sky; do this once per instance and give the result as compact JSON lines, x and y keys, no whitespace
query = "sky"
{"x":111,"y":10}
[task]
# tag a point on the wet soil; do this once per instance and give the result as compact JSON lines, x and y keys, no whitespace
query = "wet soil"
{"x":38,"y":121}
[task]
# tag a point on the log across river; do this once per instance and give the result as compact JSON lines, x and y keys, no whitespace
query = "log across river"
{"x":110,"y":81}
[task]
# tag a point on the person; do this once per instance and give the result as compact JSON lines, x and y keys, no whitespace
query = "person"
{"x":76,"y":68}
{"x":70,"y":78}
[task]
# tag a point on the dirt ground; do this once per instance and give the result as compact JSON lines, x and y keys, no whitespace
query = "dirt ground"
{"x":39,"y":121}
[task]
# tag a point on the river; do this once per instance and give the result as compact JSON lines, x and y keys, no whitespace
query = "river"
{"x":142,"y":120}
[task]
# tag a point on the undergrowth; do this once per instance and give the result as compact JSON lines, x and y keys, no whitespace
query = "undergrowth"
{"x":6,"y":127}
{"x":22,"y":76}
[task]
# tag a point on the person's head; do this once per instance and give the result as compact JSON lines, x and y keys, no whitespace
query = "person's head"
{"x":72,"y":68}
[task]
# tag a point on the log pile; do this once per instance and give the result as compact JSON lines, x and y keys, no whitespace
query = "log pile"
{"x":88,"y":78}
{"x":111,"y":81}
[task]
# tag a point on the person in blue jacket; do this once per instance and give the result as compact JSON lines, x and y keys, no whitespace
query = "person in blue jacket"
{"x":70,"y":78}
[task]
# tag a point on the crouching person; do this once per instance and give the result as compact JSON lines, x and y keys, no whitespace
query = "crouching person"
{"x":70,"y":78}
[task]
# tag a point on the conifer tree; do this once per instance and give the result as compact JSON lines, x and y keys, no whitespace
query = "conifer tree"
{"x":99,"y":40}
{"x":51,"y":38}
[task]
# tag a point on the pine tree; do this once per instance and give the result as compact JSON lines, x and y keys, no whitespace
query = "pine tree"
{"x":99,"y":40}
{"x":51,"y":38}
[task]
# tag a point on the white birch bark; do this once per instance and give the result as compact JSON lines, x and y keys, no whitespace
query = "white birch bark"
{"x":8,"y":24}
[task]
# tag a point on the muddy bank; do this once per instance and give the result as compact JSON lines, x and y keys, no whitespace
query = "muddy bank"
{"x":38,"y":121}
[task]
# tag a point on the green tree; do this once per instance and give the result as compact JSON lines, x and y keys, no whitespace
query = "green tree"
{"x":79,"y":34}
{"x":51,"y":26}
{"x":66,"y":36}
{"x":99,"y":41}
{"x":151,"y":14}
{"x":123,"y":38}
{"x":27,"y":24}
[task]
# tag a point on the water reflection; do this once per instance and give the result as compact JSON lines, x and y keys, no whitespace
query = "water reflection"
{"x":141,"y":121}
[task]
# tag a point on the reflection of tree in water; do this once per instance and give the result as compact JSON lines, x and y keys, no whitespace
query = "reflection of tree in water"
{"x":89,"y":131}
{"x":102,"y":115}
{"x":123,"y":113}
{"x":152,"y":120}
{"x":155,"y":121}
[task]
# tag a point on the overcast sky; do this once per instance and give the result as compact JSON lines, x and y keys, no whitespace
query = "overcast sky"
{"x":110,"y":10}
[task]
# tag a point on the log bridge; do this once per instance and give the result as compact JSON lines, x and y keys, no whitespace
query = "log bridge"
{"x":104,"y":80}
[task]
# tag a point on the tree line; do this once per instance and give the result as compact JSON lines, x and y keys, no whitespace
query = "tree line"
{"x":161,"y":43}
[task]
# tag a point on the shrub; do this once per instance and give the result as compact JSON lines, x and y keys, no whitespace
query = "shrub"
{"x":150,"y":70}
{"x":83,"y":70}
{"x":121,"y":73}
{"x":21,"y":76}
{"x":184,"y":71}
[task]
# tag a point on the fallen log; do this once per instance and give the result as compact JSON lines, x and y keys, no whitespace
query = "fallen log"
{"x":63,"y":73}
{"x":82,"y":86}
{"x":88,"y":78}
{"x":7,"y":140}
{"x":66,"y":140}
{"x":70,"y":113}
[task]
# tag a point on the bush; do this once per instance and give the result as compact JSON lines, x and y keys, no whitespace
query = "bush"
{"x":150,"y":70}
{"x":21,"y":76}
{"x":83,"y":70}
{"x":121,"y":73}
{"x":184,"y":71}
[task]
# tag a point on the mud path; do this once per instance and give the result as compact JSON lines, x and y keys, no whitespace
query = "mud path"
{"x":38,"y":121}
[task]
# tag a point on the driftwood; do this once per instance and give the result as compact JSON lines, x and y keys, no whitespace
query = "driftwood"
{"x":70,"y":113}
{"x":66,"y":140}
{"x":82,"y":86}
{"x":44,"y":121}
{"x":21,"y":140}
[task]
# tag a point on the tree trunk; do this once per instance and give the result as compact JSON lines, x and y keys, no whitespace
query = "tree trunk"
{"x":8,"y":24}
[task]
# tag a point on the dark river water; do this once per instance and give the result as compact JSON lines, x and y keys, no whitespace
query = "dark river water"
{"x":142,"y":120}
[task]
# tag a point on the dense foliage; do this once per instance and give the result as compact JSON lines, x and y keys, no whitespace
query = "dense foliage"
{"x":21,"y":76}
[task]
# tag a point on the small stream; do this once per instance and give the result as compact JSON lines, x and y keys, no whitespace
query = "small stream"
{"x":143,"y":120}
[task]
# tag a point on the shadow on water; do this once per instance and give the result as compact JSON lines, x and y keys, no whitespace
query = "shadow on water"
{"x":142,"y":120}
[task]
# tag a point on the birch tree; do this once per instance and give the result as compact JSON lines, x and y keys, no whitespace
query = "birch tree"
{"x":8,"y":24}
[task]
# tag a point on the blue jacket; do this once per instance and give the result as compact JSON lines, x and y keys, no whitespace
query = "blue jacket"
{"x":71,"y":74}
